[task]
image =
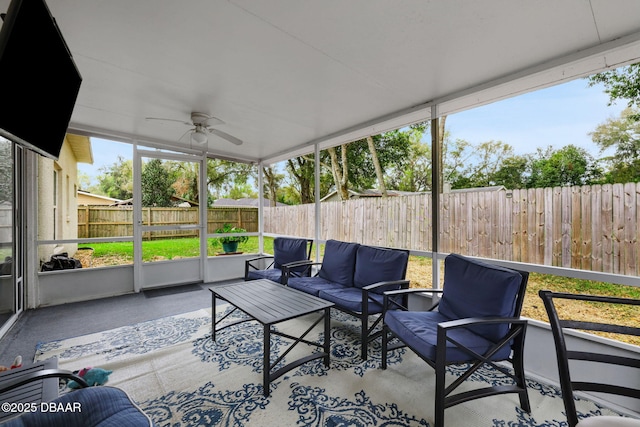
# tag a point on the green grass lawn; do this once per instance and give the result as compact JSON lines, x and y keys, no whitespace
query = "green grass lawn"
{"x":167,"y":249}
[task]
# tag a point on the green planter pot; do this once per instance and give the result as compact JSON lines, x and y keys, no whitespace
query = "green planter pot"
{"x":230,"y":247}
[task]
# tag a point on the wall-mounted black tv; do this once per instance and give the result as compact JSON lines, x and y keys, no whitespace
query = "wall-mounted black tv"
{"x":39,"y":82}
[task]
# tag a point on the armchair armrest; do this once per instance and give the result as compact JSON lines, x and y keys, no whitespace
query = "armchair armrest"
{"x":287,"y":269}
{"x":404,"y":285}
{"x":248,"y":264}
{"x":301,"y":263}
{"x":474,"y":321}
{"x":391,"y":300}
{"x":40,"y":375}
{"x":516,"y":332}
{"x":376,"y":287}
{"x":259,"y":258}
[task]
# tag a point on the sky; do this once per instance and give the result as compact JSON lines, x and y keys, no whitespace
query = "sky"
{"x":556,"y":116}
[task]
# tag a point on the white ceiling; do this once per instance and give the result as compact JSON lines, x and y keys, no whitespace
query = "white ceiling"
{"x":285,"y":74}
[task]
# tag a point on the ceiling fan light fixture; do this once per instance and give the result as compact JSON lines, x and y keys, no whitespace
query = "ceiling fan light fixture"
{"x":199,"y":137}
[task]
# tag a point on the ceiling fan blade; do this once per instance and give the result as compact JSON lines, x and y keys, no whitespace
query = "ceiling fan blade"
{"x":160,"y":119}
{"x":181,"y":139}
{"x":224,"y":135}
{"x":213,"y":121}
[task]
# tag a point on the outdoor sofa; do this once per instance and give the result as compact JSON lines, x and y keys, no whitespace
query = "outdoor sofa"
{"x":354,"y":277}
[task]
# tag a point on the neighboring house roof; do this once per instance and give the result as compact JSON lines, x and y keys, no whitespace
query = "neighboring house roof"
{"x":474,"y":189}
{"x":245,"y":201}
{"x":81,"y":147}
{"x":123,"y":202}
{"x":368,"y":193}
{"x":376,"y":193}
{"x":179,"y":202}
{"x":86,"y":198}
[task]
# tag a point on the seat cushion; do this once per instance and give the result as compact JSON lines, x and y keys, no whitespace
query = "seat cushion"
{"x":419,"y":330}
{"x":477,"y":289}
{"x":350,"y":298}
{"x":375,"y":265}
{"x":312,"y":285}
{"x":100,"y":406}
{"x":339,"y":261}
{"x":286,"y":250}
{"x":274,"y":274}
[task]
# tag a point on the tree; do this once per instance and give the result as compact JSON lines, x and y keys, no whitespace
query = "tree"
{"x":363,"y":163}
{"x":623,"y":136}
{"x":479,"y":164}
{"x":6,"y":171}
{"x":455,"y":156}
{"x":240,"y":191}
{"x":116,"y":181}
{"x":413,"y":173}
{"x":340,"y":171}
{"x":272,"y":180}
{"x":567,"y":166}
{"x":512,"y":172}
{"x":441,"y":143}
{"x":302,"y":170}
{"x":156,"y":184}
{"x":223,"y":175}
{"x":376,"y":164}
{"x":621,"y":84}
{"x":186,"y":179}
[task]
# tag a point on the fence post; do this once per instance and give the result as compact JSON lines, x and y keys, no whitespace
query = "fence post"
{"x":86,"y":221}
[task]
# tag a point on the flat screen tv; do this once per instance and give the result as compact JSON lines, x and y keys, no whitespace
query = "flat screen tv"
{"x":39,"y":80}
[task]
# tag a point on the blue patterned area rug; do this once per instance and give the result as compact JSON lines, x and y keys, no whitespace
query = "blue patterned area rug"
{"x":180,"y":377}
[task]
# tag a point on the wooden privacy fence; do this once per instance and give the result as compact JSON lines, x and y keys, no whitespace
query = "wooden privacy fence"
{"x":587,"y":227}
{"x":117,"y":221}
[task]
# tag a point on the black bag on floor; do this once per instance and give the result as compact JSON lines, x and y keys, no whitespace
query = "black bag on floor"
{"x":61,"y":262}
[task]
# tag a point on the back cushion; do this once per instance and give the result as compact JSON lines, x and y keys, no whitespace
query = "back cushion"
{"x":287,"y":250}
{"x":375,"y":265}
{"x":477,"y":289}
{"x":339,"y":262}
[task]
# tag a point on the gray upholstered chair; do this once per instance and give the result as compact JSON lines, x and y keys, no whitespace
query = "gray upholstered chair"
{"x":477,"y":323}
{"x":569,"y":383}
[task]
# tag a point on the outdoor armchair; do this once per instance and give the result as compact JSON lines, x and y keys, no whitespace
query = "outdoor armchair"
{"x":568,"y":354}
{"x":285,"y":251}
{"x":477,"y":323}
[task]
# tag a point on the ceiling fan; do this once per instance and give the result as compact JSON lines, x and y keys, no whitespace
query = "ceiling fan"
{"x":203,"y":125}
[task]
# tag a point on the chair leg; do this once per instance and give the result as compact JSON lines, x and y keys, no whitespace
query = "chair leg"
{"x":441,"y":369}
{"x":385,"y":344}
{"x":364,"y":337}
{"x":518,"y":368}
{"x":440,"y":396}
